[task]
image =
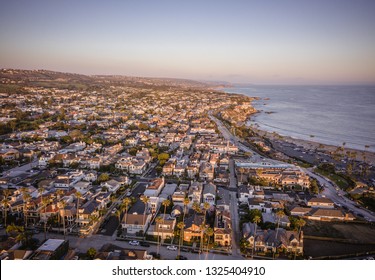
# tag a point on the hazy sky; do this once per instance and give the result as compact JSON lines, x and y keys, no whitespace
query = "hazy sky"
{"x":252,"y":41}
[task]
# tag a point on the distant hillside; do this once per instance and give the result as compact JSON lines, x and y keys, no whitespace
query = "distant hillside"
{"x":13,"y":79}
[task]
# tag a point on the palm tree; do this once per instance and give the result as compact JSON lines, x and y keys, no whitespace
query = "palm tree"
{"x":22,"y":236}
{"x":209,"y":232}
{"x":279,"y":215}
{"x":206,"y":206}
{"x":145,"y":201}
{"x":78,"y":196}
{"x":93,"y":219}
{"x":59,"y":193}
{"x":180,"y":226}
{"x":45,"y":202}
{"x":26,"y":199}
{"x":186,"y":203}
{"x":24,"y":191}
{"x":166,"y":203}
{"x":41,"y":191}
{"x":256,"y":221}
{"x":158,"y":221}
{"x":202,"y":228}
{"x":125,"y":203}
{"x":196,"y":207}
{"x":118,"y":215}
{"x":6,"y":204}
{"x":62,"y":206}
{"x":300,"y":223}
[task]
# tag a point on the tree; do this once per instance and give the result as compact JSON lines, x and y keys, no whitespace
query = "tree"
{"x":300,"y":223}
{"x":118,"y":215}
{"x":78,"y":195}
{"x":91,"y":253}
{"x":62,"y":210}
{"x":158,"y":221}
{"x":202,"y":229}
{"x":104,"y":177}
{"x":163,"y":156}
{"x":196,"y":207}
{"x":45,"y":202}
{"x":5,"y":203}
{"x":165,"y":203}
{"x":145,"y":201}
{"x":186,"y":203}
{"x":209,"y":232}
{"x":314,"y":188}
{"x":76,"y":135}
{"x":180,"y":226}
{"x":26,"y":199}
{"x":93,"y":219}
{"x":125,"y":203}
{"x":20,"y":233}
{"x":279,"y":215}
{"x":206,"y":206}
{"x":256,"y":221}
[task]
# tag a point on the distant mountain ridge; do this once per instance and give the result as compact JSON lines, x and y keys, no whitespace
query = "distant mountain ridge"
{"x":50,"y":78}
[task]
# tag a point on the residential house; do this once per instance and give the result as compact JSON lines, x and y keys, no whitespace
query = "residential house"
{"x":192,"y":171}
{"x":300,"y":211}
{"x":152,"y":192}
{"x":94,"y":163}
{"x":90,"y":176}
{"x":223,"y":227}
{"x":259,"y":204}
{"x":206,"y":171}
{"x":195,"y":193}
{"x":82,"y":186}
{"x":321,"y":214}
{"x":209,"y":194}
{"x":320,"y":202}
{"x":45,"y":159}
{"x":86,"y":211}
{"x":244,"y":193}
{"x":168,"y":168}
{"x":9,"y":154}
{"x":270,"y":241}
{"x":112,"y":185}
{"x":165,"y":228}
{"x":137,"y":167}
{"x":192,"y":227}
{"x":135,"y":223}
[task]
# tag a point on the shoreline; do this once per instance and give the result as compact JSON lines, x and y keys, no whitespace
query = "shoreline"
{"x":309,"y":144}
{"x":313,"y":145}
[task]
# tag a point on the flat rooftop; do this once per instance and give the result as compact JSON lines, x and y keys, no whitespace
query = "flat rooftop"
{"x":51,"y":245}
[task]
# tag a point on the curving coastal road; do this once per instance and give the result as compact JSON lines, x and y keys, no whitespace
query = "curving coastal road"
{"x":334,"y":193}
{"x":331,"y":191}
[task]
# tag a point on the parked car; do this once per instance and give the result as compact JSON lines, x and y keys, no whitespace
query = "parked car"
{"x":144,"y":244}
{"x":183,"y":249}
{"x":172,"y":248}
{"x":134,"y":243}
{"x":180,"y":257}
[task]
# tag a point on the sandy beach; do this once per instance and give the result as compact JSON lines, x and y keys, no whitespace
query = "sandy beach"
{"x":360,"y":154}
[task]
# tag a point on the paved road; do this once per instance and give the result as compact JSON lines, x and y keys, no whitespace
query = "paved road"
{"x":81,"y":245}
{"x":332,"y":192}
{"x":20,"y":169}
{"x":229,"y":136}
{"x":329,"y":187}
{"x":236,"y":232}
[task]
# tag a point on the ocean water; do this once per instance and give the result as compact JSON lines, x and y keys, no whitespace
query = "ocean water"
{"x":331,"y":114}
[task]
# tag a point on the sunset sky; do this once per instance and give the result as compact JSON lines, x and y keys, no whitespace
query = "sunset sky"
{"x":265,"y":41}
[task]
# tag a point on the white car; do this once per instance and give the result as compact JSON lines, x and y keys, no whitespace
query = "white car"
{"x":134,"y":243}
{"x":172,"y":248}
